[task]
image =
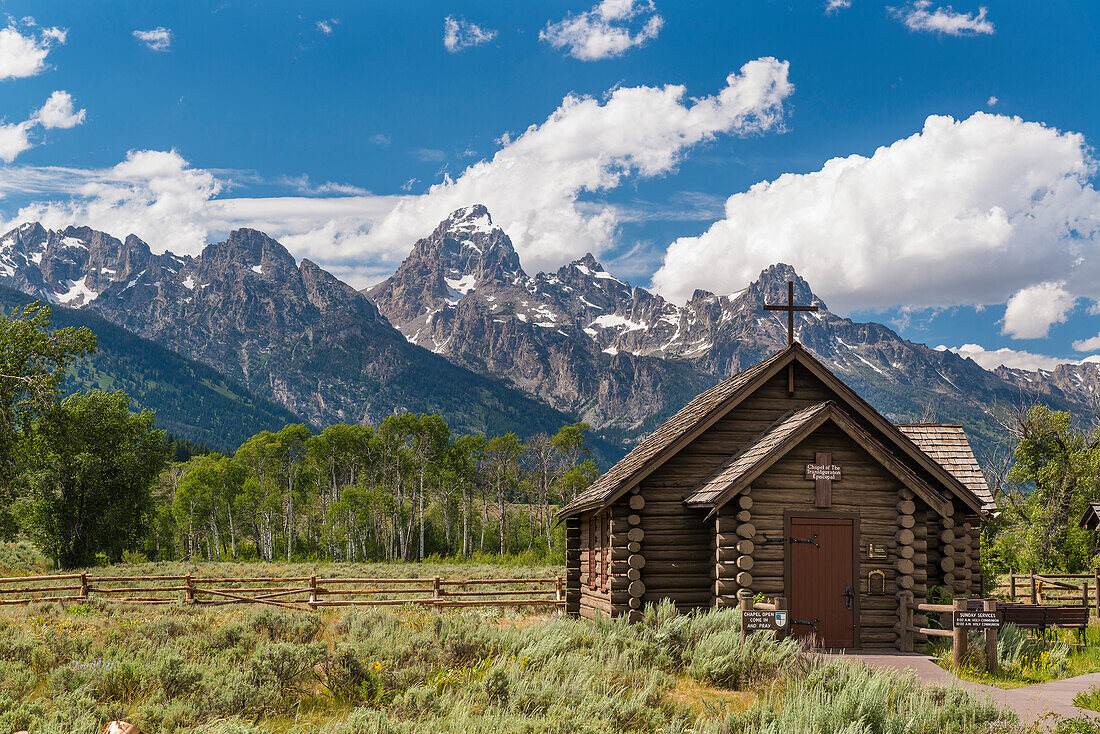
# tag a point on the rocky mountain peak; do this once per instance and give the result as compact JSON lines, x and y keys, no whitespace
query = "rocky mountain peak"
{"x":28,"y":233}
{"x":771,"y":287}
{"x":251,"y":249}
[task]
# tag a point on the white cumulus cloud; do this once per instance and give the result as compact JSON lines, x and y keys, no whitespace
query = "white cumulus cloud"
{"x":609,"y":29}
{"x":1017,"y":359}
{"x":153,"y":194}
{"x":1033,"y":310}
{"x":14,"y":139}
{"x":962,"y":212}
{"x":1091,"y":344}
{"x":24,"y":47}
{"x":59,"y":112}
{"x":157,"y":39}
{"x":531,"y":185}
{"x":835,"y":6}
{"x":920,"y":15}
{"x":459,"y":33}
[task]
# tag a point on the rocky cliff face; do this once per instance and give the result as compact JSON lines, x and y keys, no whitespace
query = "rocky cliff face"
{"x":575,"y":343}
{"x":625,"y":358}
{"x":284,"y":329}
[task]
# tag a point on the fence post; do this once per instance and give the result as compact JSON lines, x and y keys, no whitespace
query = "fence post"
{"x":991,"y":663}
{"x":189,"y":592}
{"x":436,"y":591}
{"x":1012,"y":584}
{"x":1085,"y":594}
{"x":745,"y":597}
{"x":83,"y":584}
{"x":1034,"y":589}
{"x":958,"y":636}
{"x":559,"y":595}
{"x":1096,"y":589}
{"x":905,"y":614}
{"x":312,"y":590}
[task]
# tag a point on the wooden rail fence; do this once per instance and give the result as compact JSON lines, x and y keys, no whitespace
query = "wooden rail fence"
{"x":958,"y":634}
{"x":295,"y":592}
{"x":1043,"y":588}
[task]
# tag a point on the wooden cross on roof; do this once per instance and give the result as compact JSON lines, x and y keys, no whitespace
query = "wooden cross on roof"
{"x":790,"y":308}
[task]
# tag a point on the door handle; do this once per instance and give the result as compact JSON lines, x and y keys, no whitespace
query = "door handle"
{"x":807,"y":622}
{"x":849,"y":597}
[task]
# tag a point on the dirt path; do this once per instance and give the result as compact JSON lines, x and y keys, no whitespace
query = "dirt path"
{"x":1031,"y":703}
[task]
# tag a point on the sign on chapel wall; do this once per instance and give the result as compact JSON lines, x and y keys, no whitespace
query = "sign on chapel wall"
{"x":823,"y":472}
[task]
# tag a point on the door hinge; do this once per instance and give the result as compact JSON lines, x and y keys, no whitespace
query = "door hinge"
{"x":806,"y":540}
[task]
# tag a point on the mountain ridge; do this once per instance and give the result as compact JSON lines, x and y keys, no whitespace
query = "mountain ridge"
{"x":607,"y":331}
{"x":460,"y":326}
{"x":288,"y":331}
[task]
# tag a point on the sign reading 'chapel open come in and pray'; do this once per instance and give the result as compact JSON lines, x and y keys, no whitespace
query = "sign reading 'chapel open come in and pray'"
{"x":823,"y":472}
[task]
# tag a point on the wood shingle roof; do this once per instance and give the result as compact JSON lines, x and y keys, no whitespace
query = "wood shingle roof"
{"x":656,"y":443}
{"x":947,"y":444}
{"x":767,"y":442}
{"x":785,"y":434}
{"x":952,"y":465}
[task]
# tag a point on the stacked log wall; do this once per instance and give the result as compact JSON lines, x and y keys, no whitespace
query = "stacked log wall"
{"x":693,"y":560}
{"x":573,"y":566}
{"x":594,"y":602}
{"x":866,"y":490}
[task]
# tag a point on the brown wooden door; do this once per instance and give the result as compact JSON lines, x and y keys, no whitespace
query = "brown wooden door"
{"x":823,"y":591}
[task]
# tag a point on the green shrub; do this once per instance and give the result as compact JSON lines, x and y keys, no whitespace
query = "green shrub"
{"x":229,"y":636}
{"x":115,"y":681}
{"x":496,"y":685}
{"x":284,"y":664}
{"x":1023,"y":655}
{"x":722,"y":659}
{"x":1089,"y":699}
{"x":176,"y":677}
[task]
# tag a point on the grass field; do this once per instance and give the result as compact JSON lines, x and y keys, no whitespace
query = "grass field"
{"x":176,"y":669}
{"x":227,"y":670}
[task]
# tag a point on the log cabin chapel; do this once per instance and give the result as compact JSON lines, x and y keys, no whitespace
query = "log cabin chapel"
{"x":781,"y":480}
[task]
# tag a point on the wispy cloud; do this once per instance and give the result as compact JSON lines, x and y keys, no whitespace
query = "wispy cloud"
{"x":430,"y":155}
{"x":920,"y":15}
{"x":328,"y":26}
{"x":380,"y":139}
{"x":459,"y":33}
{"x":835,"y":6}
{"x":605,"y":31}
{"x":303,"y":185}
{"x":24,"y":47}
{"x":157,"y":39}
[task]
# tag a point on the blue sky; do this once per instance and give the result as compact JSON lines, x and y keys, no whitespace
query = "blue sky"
{"x":326,"y":123}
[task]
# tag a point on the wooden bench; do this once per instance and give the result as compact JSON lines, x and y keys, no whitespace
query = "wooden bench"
{"x":1040,"y":616}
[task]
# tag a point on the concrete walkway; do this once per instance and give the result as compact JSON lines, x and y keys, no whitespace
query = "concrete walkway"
{"x":1031,"y":703}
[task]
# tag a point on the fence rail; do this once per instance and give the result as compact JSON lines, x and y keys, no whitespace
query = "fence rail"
{"x":302,"y":592}
{"x":1040,"y":588}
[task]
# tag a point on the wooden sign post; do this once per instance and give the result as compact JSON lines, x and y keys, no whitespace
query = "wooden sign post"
{"x":823,"y":472}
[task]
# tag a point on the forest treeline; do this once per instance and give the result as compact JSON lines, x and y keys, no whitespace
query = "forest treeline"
{"x":403,"y":490}
{"x":88,"y":480}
